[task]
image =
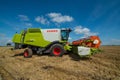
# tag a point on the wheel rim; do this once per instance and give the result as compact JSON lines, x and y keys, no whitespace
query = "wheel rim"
{"x":57,"y":51}
{"x":25,"y":53}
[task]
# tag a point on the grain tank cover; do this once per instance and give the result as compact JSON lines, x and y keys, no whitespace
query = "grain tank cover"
{"x":34,"y":30}
{"x":51,"y":34}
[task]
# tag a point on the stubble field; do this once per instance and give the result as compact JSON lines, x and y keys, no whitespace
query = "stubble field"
{"x":102,"y":66}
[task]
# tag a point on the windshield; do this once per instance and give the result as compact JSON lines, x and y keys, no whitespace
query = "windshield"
{"x":65,"y":34}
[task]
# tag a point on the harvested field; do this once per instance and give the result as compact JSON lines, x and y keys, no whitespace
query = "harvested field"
{"x":102,"y":66}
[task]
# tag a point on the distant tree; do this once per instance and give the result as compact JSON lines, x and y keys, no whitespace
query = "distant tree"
{"x":8,"y":44}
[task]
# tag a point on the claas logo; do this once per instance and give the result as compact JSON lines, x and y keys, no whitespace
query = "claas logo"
{"x":52,"y":30}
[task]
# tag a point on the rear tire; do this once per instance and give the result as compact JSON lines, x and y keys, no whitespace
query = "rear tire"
{"x":57,"y":50}
{"x":28,"y":53}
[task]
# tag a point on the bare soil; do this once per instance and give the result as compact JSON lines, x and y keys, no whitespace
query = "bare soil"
{"x":102,"y":66}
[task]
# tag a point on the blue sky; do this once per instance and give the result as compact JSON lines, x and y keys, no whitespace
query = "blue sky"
{"x":84,"y":17}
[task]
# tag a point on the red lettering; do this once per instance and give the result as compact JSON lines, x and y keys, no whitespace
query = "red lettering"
{"x":52,"y":30}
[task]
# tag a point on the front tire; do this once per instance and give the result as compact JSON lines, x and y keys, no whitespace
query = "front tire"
{"x":57,"y":50}
{"x":28,"y":53}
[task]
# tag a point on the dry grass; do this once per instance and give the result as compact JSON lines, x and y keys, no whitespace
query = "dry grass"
{"x":102,"y":66}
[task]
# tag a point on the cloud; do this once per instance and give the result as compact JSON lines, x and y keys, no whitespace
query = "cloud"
{"x":2,"y":35}
{"x":28,"y":24}
{"x":115,"y":40}
{"x":4,"y":40}
{"x":42,"y":20}
{"x":9,"y":41}
{"x":26,"y":20}
{"x":69,"y":38}
{"x":111,"y":42}
{"x":84,"y":31}
{"x":23,"y":17}
{"x":59,"y":18}
{"x":16,"y":28}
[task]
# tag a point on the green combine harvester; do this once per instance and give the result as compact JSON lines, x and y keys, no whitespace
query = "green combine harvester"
{"x":41,"y":41}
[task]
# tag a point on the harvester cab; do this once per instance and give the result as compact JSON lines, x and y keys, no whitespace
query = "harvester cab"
{"x":65,"y":34}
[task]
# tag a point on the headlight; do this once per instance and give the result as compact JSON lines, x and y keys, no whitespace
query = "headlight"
{"x":95,"y":41}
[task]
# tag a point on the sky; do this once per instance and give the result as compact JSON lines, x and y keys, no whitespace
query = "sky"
{"x":84,"y":17}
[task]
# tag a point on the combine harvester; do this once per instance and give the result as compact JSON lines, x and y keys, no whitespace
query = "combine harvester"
{"x":53,"y":41}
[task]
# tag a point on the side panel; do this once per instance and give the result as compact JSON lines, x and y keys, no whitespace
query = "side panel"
{"x":17,"y":38}
{"x":81,"y":51}
{"x":35,"y":39}
{"x":51,"y":34}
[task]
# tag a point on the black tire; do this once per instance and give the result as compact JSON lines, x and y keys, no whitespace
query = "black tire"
{"x":34,"y":51}
{"x":16,"y":46}
{"x":57,"y":50}
{"x":28,"y":53}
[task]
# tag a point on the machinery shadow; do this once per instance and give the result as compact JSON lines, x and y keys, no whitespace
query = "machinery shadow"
{"x":76,"y":57}
{"x":20,"y":54}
